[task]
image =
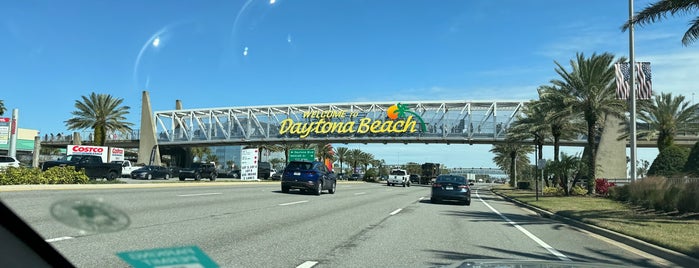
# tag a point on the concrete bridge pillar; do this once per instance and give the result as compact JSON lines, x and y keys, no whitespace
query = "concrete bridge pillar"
{"x":611,"y":152}
{"x":147,"y":136}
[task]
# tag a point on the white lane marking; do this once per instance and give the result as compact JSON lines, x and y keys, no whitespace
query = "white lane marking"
{"x":307,"y":264}
{"x":359,"y":193}
{"x":293,"y":203}
{"x":527,"y":233}
{"x":395,"y":211}
{"x":59,"y":239}
{"x":187,"y":195}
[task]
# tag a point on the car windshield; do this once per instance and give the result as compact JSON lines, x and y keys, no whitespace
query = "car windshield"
{"x":398,"y":172}
{"x":347,"y":133}
{"x":299,"y":166}
{"x":451,"y":179}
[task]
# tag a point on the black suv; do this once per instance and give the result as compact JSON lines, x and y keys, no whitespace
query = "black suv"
{"x":198,"y":171}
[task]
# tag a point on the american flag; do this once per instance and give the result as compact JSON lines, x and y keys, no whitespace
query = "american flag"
{"x":643,"y":80}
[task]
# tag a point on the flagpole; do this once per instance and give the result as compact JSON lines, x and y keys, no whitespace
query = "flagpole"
{"x":632,"y":85}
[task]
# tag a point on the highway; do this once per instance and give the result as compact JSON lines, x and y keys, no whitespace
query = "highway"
{"x":362,"y":225}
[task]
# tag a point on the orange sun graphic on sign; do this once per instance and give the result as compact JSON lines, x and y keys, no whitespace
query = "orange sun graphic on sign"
{"x":392,"y":112}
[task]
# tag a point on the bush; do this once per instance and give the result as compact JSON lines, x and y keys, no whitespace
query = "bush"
{"x":670,"y":162}
{"x":553,"y":191}
{"x":619,"y":193}
{"x":578,"y":190}
{"x":524,"y":185}
{"x":692,"y":165}
{"x":688,"y":200}
{"x":602,"y":186}
{"x":55,"y":175}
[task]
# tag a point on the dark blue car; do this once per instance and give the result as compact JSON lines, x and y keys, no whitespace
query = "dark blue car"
{"x":451,"y":187}
{"x":308,"y":177}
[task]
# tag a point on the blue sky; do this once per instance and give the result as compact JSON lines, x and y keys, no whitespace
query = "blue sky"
{"x":239,"y":53}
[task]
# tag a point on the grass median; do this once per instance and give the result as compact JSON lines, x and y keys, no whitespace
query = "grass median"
{"x":676,"y":232}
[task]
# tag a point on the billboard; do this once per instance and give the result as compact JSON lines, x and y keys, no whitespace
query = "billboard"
{"x":4,"y":130}
{"x":248,"y":164}
{"x":89,"y":150}
{"x":116,"y":154}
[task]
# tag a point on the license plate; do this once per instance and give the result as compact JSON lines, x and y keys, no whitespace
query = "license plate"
{"x":297,"y":173}
{"x":450,"y":188}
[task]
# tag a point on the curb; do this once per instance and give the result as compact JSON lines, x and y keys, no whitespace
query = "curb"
{"x":675,"y":257}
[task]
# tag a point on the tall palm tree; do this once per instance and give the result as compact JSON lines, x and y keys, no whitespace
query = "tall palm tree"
{"x":365,"y":159}
{"x":665,"y":116}
{"x":355,"y":156}
{"x":590,"y":93}
{"x":511,"y":156}
{"x":559,"y":116}
{"x":341,"y":154}
{"x":659,"y":10}
{"x":101,"y":113}
{"x":200,"y":152}
{"x":533,"y":125}
{"x":2,"y":107}
{"x":324,"y":151}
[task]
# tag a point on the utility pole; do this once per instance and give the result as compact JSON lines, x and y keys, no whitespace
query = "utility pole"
{"x":632,"y":84}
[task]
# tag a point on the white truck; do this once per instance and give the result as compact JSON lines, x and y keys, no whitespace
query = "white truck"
{"x":399,"y":176}
{"x":127,"y":167}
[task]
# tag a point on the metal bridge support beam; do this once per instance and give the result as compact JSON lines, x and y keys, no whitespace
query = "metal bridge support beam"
{"x":611,"y":152}
{"x":147,"y":134}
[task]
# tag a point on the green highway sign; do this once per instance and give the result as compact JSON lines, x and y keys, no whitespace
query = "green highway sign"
{"x":184,"y":257}
{"x":302,"y":154}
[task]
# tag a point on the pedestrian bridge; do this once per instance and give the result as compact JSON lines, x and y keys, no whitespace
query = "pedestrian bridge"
{"x":472,"y":122}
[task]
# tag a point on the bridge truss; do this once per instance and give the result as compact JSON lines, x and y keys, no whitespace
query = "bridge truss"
{"x":473,"y":122}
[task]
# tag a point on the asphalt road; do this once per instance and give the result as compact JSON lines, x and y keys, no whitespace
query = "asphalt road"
{"x":362,"y":225}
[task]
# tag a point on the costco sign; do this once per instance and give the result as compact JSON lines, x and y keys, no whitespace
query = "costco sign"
{"x":88,"y":150}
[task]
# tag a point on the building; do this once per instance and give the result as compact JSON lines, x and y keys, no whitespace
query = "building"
{"x":25,"y":145}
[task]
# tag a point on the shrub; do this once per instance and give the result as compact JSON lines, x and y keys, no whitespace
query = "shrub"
{"x":578,"y":190}
{"x":670,"y":162}
{"x":553,"y":191}
{"x":688,"y":200}
{"x":602,"y":186}
{"x":523,"y":185}
{"x":55,"y":175}
{"x":692,"y":165}
{"x":619,"y":193}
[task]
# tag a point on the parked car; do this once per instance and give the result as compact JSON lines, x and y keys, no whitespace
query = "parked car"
{"x":356,"y":177}
{"x":151,"y":172}
{"x":276,"y":176}
{"x":230,"y":174}
{"x":451,"y":187}
{"x":127,"y":167}
{"x":8,"y":161}
{"x":264,"y":170}
{"x":198,"y":171}
{"x":308,"y":177}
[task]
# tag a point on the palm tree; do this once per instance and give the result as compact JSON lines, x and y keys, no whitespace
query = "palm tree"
{"x":101,"y":113}
{"x":268,"y":148}
{"x":212,"y":158}
{"x":511,"y":156}
{"x":365,"y":159}
{"x":570,"y":166}
{"x":590,"y":93}
{"x":341,"y":154}
{"x":355,"y":156}
{"x":533,"y":125}
{"x":665,"y":116}
{"x":2,"y":107}
{"x":659,"y":10}
{"x":324,"y":151}
{"x":200,"y":152}
{"x":563,"y":124}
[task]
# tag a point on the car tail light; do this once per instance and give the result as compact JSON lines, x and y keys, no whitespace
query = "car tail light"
{"x":463,"y":186}
{"x":436,"y":185}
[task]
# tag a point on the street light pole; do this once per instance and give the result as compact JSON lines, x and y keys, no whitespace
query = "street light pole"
{"x":632,"y":84}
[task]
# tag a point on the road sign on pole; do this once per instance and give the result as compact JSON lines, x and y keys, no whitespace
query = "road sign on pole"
{"x":302,"y":154}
